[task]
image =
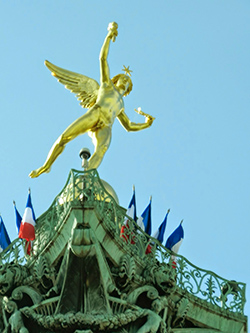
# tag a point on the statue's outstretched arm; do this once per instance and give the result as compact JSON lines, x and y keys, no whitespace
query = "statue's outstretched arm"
{"x":104,"y":68}
{"x":133,"y":127}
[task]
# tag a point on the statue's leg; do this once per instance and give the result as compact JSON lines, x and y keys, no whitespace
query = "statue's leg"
{"x":79,"y":126}
{"x":101,"y":139}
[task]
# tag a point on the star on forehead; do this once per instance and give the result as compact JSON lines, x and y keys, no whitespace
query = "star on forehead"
{"x":127,"y":70}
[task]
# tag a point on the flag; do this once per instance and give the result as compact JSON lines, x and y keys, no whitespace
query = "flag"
{"x":4,"y":237}
{"x":131,"y":212}
{"x":174,"y":241}
{"x":18,"y":218}
{"x":27,"y":227}
{"x":144,"y":221}
{"x":159,"y":234}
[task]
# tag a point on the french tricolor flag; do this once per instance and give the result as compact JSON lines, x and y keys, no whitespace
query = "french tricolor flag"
{"x":4,"y":237}
{"x":159,"y":234}
{"x":131,"y":212}
{"x":144,"y":221}
{"x":174,"y":241}
{"x":27,"y":227}
{"x":18,"y":218}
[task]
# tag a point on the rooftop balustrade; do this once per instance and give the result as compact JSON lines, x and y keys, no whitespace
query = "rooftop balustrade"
{"x":84,"y":189}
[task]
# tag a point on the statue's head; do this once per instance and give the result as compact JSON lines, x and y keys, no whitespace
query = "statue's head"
{"x":123,"y":81}
{"x":162,"y":275}
{"x":7,"y":277}
{"x":11,"y":276}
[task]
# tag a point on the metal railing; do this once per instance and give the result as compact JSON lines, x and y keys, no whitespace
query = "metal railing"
{"x":84,"y":188}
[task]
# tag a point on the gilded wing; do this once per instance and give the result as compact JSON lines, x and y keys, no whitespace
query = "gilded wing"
{"x":85,"y":88}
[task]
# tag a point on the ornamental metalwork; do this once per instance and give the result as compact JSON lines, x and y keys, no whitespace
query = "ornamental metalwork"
{"x":92,"y":269}
{"x":86,"y":187}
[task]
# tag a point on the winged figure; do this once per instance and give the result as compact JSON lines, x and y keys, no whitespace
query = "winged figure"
{"x":104,"y":103}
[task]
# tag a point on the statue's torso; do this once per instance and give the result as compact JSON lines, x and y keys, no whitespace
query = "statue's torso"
{"x":110,"y":101}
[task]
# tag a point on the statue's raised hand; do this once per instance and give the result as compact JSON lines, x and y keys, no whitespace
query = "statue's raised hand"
{"x":113,"y":30}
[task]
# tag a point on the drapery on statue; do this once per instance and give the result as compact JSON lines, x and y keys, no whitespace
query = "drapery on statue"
{"x":104,"y":104}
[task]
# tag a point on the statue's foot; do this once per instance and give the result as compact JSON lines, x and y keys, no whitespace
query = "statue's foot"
{"x":38,"y":172}
{"x":35,"y":173}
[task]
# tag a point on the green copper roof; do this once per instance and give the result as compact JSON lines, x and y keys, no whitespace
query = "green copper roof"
{"x":86,"y":189}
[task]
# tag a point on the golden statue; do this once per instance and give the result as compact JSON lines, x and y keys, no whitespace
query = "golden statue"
{"x":104,"y":104}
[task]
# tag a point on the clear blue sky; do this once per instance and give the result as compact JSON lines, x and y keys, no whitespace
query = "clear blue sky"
{"x":190,"y":62}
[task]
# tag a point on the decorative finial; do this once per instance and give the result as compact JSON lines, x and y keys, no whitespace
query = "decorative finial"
{"x":85,"y":155}
{"x":127,"y":70}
